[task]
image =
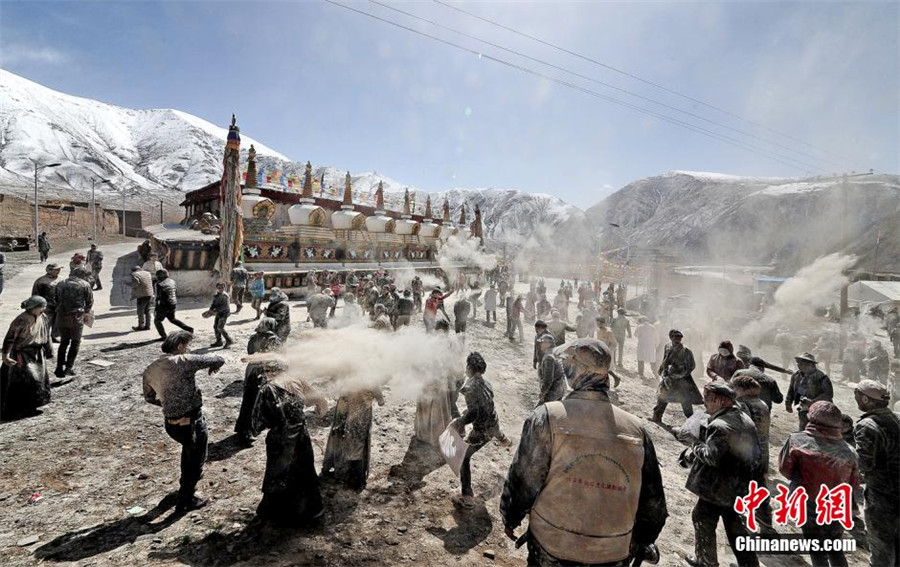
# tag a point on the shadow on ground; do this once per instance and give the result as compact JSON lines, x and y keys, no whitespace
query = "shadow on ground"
{"x":81,"y":544}
{"x":472,"y":527}
{"x":420,"y":460}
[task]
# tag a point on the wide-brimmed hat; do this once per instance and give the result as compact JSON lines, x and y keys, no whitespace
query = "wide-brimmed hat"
{"x":53,"y":267}
{"x":807,"y":356}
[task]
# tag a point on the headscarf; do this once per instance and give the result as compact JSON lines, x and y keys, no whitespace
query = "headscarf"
{"x":34,"y":301}
{"x":276,"y":295}
{"x":588,"y":356}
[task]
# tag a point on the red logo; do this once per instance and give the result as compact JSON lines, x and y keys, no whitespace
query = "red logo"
{"x":832,"y":505}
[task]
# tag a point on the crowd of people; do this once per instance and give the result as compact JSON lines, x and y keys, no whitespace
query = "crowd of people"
{"x":578,"y":452}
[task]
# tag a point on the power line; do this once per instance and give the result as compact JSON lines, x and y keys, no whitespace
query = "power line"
{"x":716,"y":135}
{"x":614,"y":87}
{"x":641,"y":79}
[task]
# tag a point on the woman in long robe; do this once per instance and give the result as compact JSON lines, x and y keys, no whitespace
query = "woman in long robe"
{"x":24,"y":376}
{"x":436,"y":405}
{"x":349,"y":442}
{"x":290,"y":486}
{"x":264,"y":340}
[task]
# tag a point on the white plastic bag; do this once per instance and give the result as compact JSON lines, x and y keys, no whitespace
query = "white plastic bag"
{"x":690,"y":432}
{"x":453,"y":448}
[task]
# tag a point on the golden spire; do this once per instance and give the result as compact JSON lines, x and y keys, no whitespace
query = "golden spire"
{"x":348,"y":191}
{"x":446,"y":210}
{"x":428,"y":207}
{"x":251,"y":168}
{"x":379,"y":197}
{"x":406,"y":210}
{"x":307,"y":182}
{"x":462,"y":215}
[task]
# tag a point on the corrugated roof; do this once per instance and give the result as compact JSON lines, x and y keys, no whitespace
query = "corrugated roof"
{"x":891,"y":290}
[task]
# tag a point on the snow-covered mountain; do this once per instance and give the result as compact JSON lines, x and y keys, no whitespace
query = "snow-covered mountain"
{"x":160,"y":154}
{"x":747,"y":220}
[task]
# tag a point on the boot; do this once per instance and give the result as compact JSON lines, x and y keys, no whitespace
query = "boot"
{"x":60,"y":372}
{"x":195,"y":503}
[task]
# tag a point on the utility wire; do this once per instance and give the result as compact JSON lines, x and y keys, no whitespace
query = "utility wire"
{"x":641,"y":79}
{"x":622,"y":90}
{"x":716,"y":135}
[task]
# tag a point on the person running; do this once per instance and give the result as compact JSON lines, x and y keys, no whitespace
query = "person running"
{"x":480,"y":413}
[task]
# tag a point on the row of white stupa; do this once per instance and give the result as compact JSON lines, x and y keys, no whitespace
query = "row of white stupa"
{"x":307,"y":213}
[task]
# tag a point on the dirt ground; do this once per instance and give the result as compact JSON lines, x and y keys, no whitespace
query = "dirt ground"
{"x":106,"y":469}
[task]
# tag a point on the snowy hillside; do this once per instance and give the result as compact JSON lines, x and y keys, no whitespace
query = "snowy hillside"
{"x":160,"y":154}
{"x":745,"y":220}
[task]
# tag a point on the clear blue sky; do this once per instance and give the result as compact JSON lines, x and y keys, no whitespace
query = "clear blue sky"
{"x":317,"y":82}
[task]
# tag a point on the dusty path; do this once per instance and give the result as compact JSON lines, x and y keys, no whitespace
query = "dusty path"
{"x":100,"y":457}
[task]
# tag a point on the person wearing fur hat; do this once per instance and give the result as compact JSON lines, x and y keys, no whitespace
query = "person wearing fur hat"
{"x":877,"y":435}
{"x":808,"y":385}
{"x":819,"y":457}
{"x":556,"y":484}
{"x":724,"y":363}
{"x":24,"y":376}
{"x":722,"y":465}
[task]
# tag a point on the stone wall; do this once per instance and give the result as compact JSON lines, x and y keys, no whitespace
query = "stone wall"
{"x":56,"y":218}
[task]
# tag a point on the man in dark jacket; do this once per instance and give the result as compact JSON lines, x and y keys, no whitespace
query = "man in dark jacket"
{"x":405,"y":308}
{"x":220,"y":309}
{"x":551,"y":379}
{"x":553,"y":481}
{"x":768,"y":388}
{"x":169,"y":382}
{"x":819,"y":457}
{"x":808,"y":385}
{"x":747,"y":390}
{"x":95,"y":259}
{"x":239,"y":279}
{"x":166,"y":304}
{"x":461,"y":310}
{"x":722,"y":465}
{"x":45,"y":286}
{"x":44,"y":246}
{"x":74,"y":298}
{"x":540,"y":328}
{"x":676,"y":383}
{"x":480,"y":413}
{"x":877,"y":435}
{"x":142,"y":292}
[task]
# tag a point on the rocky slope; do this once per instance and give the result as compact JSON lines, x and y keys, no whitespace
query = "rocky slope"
{"x":786,"y":222}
